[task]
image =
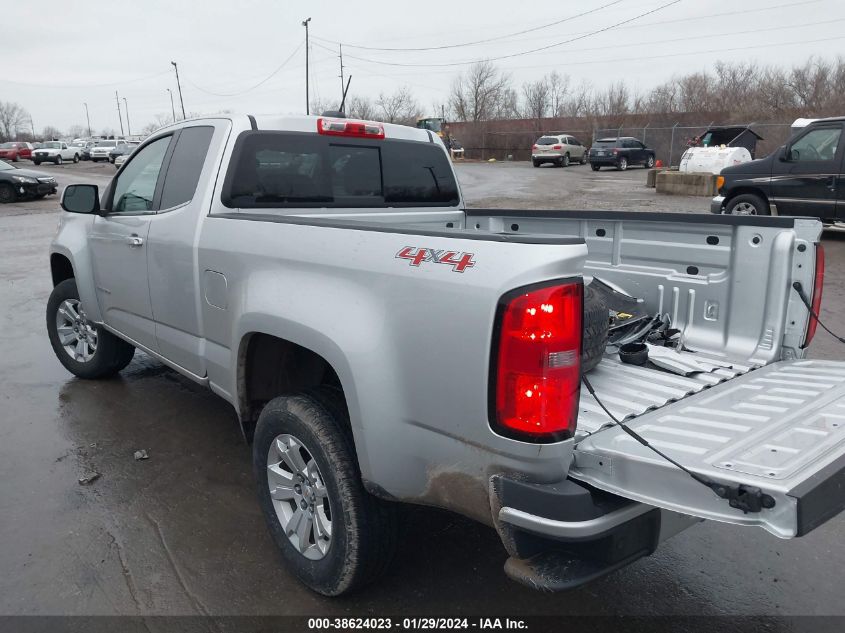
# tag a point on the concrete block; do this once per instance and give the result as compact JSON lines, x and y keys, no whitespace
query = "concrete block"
{"x":686,"y":184}
{"x":651,"y":177}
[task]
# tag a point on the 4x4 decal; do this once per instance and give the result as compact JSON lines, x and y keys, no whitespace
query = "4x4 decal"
{"x":416,"y":256}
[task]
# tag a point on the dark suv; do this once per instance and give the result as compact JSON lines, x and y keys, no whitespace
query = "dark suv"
{"x":803,"y":177}
{"x":620,"y":153}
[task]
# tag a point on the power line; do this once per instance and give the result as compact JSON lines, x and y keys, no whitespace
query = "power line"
{"x":102,"y":85}
{"x":251,"y":88}
{"x":484,"y":41}
{"x":520,"y":54}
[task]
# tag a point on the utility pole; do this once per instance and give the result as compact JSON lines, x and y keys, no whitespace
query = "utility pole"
{"x":117,"y":100}
{"x":126,"y":109}
{"x":172,"y":107}
{"x":87,"y":118}
{"x":307,"y":97}
{"x":342,"y":81}
{"x":179,"y":85}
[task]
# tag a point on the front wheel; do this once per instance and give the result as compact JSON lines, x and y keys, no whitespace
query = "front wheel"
{"x":622,"y":165}
{"x":584,"y":158}
{"x":595,"y":167}
{"x":333,"y":535}
{"x":747,"y":204}
{"x":85,"y":349}
{"x":58,"y":160}
{"x":649,"y":163}
{"x":76,"y":158}
{"x":15,"y":159}
{"x":7,"y":194}
{"x":37,"y":162}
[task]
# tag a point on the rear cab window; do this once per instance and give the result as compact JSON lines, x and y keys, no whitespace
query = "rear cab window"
{"x":271,"y":169}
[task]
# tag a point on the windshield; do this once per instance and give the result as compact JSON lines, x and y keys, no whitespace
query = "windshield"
{"x":430,"y":124}
{"x":78,"y":144}
{"x":53,"y":145}
{"x":548,"y":140}
{"x":7,"y":146}
{"x":606,"y":142}
{"x":106,"y":143}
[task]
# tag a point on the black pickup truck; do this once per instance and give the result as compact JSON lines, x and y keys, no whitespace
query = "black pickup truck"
{"x":620,"y":153}
{"x":803,"y":177}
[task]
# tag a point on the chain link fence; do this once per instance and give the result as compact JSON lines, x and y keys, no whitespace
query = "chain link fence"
{"x":480,"y":142}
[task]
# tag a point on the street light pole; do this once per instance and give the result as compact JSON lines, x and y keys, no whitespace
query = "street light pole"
{"x":117,"y":100}
{"x":179,"y":85}
{"x":307,"y":97}
{"x":126,"y":109}
{"x":172,"y":107}
{"x":87,"y":118}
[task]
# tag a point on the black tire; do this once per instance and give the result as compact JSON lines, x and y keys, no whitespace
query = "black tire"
{"x":37,"y":162}
{"x":58,"y":160}
{"x":595,"y":326}
{"x":744,"y":203}
{"x":364,"y":528}
{"x":112,"y":353}
{"x":536,"y":163}
{"x":76,"y":158}
{"x":649,"y":162}
{"x":595,"y":167}
{"x":565,"y":161}
{"x":584,"y":158}
{"x":15,"y":159}
{"x":7,"y":194}
{"x":622,"y":164}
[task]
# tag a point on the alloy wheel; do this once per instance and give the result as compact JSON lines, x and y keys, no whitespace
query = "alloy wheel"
{"x":744,"y":208}
{"x":299,"y":496}
{"x":76,"y":334}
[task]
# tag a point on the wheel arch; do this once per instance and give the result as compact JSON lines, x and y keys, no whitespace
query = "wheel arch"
{"x":60,"y":268}
{"x":746,"y":189}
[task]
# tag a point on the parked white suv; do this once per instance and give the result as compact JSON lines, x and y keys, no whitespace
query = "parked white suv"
{"x":55,"y":152}
{"x":558,"y":149}
{"x":101,"y":150}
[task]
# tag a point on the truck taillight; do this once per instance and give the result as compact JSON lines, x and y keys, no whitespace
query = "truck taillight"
{"x":818,"y":285}
{"x":343,"y":127}
{"x":536,"y":362}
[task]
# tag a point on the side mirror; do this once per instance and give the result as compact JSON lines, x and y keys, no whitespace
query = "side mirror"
{"x":81,"y":199}
{"x":784,"y":155}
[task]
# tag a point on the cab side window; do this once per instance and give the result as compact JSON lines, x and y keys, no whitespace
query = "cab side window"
{"x":816,"y":145}
{"x":135,"y":186}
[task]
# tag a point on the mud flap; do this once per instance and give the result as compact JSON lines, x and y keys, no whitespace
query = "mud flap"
{"x":773,"y":439}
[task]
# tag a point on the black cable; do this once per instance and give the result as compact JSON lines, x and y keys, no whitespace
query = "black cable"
{"x":800,"y":290}
{"x":639,"y":438}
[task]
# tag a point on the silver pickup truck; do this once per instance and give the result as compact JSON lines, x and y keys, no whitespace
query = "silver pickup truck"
{"x":381,"y":344}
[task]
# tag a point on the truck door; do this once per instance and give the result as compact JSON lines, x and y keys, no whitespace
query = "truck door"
{"x":804,"y":177}
{"x":174,"y":279}
{"x":118,"y":244}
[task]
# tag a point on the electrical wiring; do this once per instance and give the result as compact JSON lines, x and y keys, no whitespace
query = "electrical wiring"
{"x":476,"y":42}
{"x":251,"y":88}
{"x":100,"y":85}
{"x":521,"y":53}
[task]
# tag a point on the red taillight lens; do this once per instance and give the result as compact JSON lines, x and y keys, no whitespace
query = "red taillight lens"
{"x":533,"y":147}
{"x":558,"y":147}
{"x":537,"y":365}
{"x":342,"y":127}
{"x":818,"y":285}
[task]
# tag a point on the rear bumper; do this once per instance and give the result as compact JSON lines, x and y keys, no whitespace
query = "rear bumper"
{"x":717,"y":205}
{"x":562,"y":535}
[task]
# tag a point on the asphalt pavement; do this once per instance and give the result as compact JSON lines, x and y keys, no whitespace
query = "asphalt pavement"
{"x":181,"y":533}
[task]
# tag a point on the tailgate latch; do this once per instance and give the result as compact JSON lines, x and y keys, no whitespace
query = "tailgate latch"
{"x":742,"y":497}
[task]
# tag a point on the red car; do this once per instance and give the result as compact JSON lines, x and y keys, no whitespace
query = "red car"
{"x":15,"y":150}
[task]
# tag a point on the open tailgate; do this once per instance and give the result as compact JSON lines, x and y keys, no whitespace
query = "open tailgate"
{"x":778,"y":431}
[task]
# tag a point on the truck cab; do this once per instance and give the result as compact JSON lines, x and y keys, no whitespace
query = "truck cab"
{"x":804,"y":177}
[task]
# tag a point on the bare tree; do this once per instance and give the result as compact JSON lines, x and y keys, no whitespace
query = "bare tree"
{"x":536,"y":97}
{"x":398,"y":107}
{"x":558,"y":88}
{"x":12,"y":118}
{"x":77,"y":131}
{"x":361,"y":108}
{"x":51,"y":133}
{"x":477,"y":94}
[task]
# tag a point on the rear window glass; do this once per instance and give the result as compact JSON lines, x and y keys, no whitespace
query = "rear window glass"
{"x":287,"y":169}
{"x":612,"y":143}
{"x":548,"y":140}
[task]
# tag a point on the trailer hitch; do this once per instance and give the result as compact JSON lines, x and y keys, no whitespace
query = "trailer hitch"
{"x":742,"y":497}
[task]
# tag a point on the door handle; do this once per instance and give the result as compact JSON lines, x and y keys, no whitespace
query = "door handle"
{"x":135,"y":241}
{"x":832,"y":183}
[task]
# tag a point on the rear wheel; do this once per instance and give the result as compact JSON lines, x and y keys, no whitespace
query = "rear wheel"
{"x":584,"y":158}
{"x":85,"y":349}
{"x":622,"y":165}
{"x":747,"y":204}
{"x":649,"y":163}
{"x":7,"y":194}
{"x":333,"y":535}
{"x":15,"y":159}
{"x":566,"y":160}
{"x":536,"y":163}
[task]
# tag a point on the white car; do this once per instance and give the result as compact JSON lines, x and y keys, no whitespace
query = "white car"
{"x":101,"y":150}
{"x":558,"y":149}
{"x":55,"y":152}
{"x":120,"y":159}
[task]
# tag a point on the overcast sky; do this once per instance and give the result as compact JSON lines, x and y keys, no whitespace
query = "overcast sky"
{"x":60,"y":54}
